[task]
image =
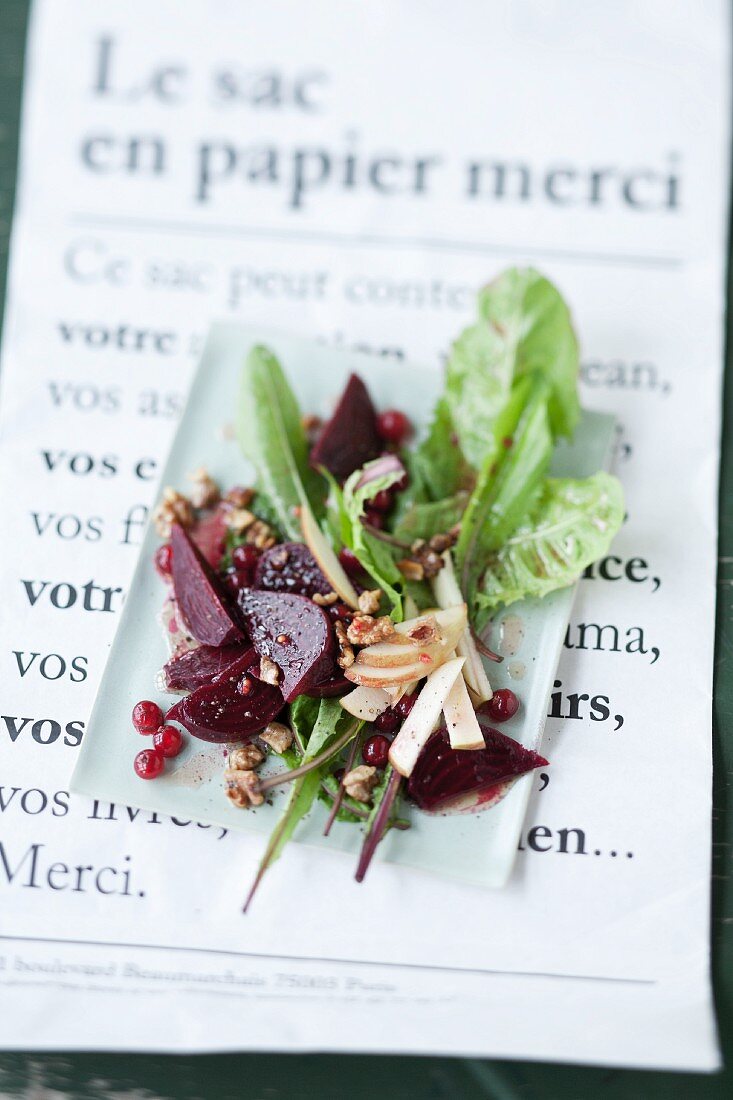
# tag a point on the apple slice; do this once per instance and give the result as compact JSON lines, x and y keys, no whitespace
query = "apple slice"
{"x":461,"y":722}
{"x":447,"y":593}
{"x":366,"y":703}
{"x":424,"y":716}
{"x":391,"y":652}
{"x":324,"y":554}
{"x":371,"y":676}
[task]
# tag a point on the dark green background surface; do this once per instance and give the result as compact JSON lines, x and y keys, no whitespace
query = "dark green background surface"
{"x":330,"y":1077}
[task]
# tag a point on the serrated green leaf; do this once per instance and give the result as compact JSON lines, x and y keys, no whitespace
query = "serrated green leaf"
{"x":570,"y":526}
{"x":271,"y":436}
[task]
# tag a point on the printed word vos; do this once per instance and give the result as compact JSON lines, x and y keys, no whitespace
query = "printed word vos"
{"x":44,"y":731}
{"x":82,"y":464}
{"x":51,"y":666}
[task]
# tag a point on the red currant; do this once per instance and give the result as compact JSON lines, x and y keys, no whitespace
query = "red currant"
{"x":350,"y":562}
{"x":374,"y":518}
{"x":405,"y":704}
{"x":148,"y":764}
{"x":146,"y":716}
{"x":163,"y":559}
{"x":381,"y":501}
{"x":503,"y":705}
{"x":387,"y":721}
{"x":393,"y":426}
{"x":375,"y":751}
{"x":339,"y":611}
{"x":244,"y":557}
{"x":168,"y":741}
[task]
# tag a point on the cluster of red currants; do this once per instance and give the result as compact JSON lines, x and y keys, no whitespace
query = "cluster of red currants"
{"x":147,"y":718}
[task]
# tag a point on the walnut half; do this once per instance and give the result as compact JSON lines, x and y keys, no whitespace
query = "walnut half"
{"x":241,"y":786}
{"x":360,"y":782}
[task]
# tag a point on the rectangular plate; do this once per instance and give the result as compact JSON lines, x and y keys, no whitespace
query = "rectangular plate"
{"x":478,"y":848}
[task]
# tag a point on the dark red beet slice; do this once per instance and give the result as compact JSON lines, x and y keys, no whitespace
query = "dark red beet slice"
{"x":350,"y":438}
{"x":199,"y":666}
{"x":294,"y":633}
{"x":335,"y":684}
{"x":290,"y":567}
{"x":443,"y":774}
{"x":221,"y":712}
{"x":210,"y":534}
{"x":200,"y":595}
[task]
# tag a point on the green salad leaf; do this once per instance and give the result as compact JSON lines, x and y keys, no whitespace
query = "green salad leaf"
{"x":524,"y":328}
{"x":569,"y":526}
{"x":507,"y":484}
{"x":319,"y":722}
{"x":271,"y":436}
{"x":375,"y":556}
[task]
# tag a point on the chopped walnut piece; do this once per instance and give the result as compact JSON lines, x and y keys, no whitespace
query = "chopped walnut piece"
{"x":241,"y":786}
{"x":369,"y":601}
{"x":205,"y":492}
{"x":279,"y":559}
{"x":269,"y":672}
{"x":360,"y":782}
{"x":326,"y":600}
{"x":260,"y":535}
{"x":366,"y":630}
{"x":441,"y":543}
{"x":411,"y":570}
{"x":311,"y":426}
{"x":239,"y":520}
{"x":278,"y":736}
{"x":173,"y":508}
{"x":245,"y":758}
{"x":424,"y":554}
{"x":346,"y":655}
{"x":239,"y":497}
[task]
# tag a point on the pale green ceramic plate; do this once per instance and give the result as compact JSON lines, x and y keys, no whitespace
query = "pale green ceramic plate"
{"x":478,"y":848}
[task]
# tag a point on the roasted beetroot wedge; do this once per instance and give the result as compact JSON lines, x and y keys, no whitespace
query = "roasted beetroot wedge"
{"x":334,"y":684}
{"x":442,"y":775}
{"x":210,"y":534}
{"x":350,"y":438}
{"x":201,"y":597}
{"x":290,"y":567}
{"x":233,"y":708}
{"x":294,"y":633}
{"x":199,"y":666}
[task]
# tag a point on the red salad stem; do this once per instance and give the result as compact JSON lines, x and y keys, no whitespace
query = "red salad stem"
{"x":379,"y":826}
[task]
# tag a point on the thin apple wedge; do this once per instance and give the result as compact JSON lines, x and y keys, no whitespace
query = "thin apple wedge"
{"x":461,"y":722}
{"x":370,"y":676}
{"x":366,"y":703}
{"x":424,"y":716}
{"x":392,"y":652}
{"x":325,"y":555}
{"x":448,"y":594}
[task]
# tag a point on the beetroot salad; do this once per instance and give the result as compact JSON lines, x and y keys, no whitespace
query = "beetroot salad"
{"x":331,"y":623}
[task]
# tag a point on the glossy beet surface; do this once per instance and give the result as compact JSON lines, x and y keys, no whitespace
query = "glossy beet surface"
{"x":334,"y":684}
{"x":350,"y":438}
{"x":201,"y":597}
{"x":442,"y":774}
{"x":199,"y":666}
{"x":290,"y":567}
{"x":221,"y":711}
{"x":294,"y":633}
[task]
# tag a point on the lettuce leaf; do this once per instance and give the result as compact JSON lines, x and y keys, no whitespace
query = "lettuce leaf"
{"x":508,"y":483}
{"x":271,"y":436}
{"x":318,"y":722}
{"x":570,"y":525}
{"x":524,"y":328}
{"x":375,"y":556}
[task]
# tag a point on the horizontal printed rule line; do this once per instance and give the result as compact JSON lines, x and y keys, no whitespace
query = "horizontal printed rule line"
{"x":435,"y":244}
{"x":339,"y":961}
